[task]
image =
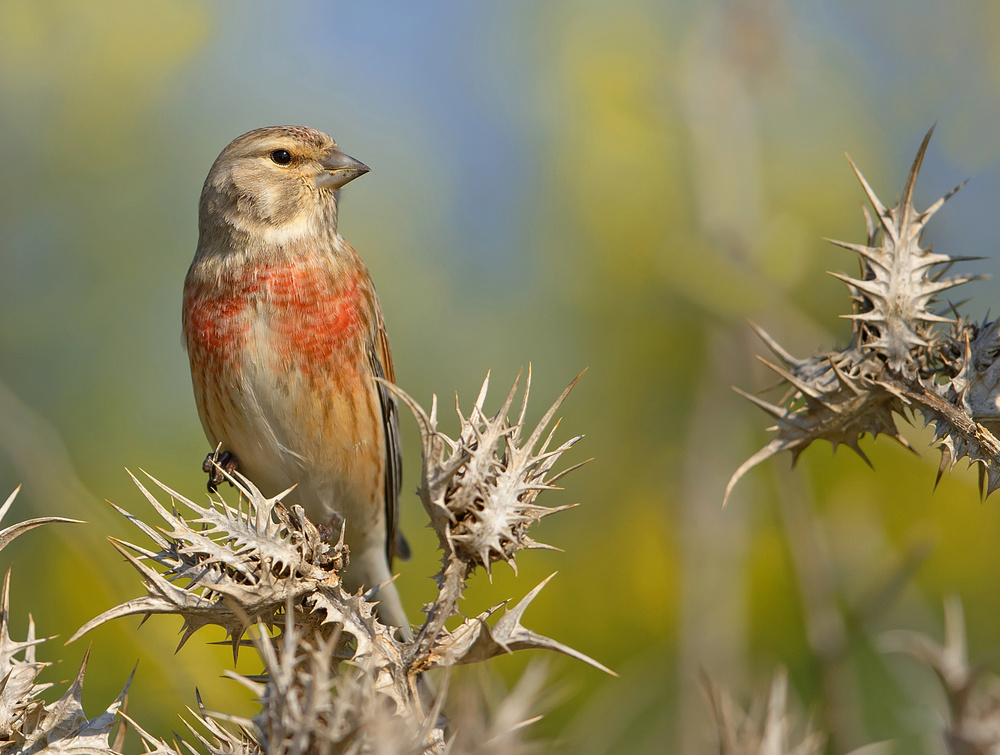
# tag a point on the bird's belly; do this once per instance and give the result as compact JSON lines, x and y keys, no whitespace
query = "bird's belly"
{"x":309,"y":422}
{"x":279,"y":364}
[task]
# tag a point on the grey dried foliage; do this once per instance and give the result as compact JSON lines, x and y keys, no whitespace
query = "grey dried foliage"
{"x":766,"y":729}
{"x":336,"y":679}
{"x":497,"y":724}
{"x":769,"y":727}
{"x":27,"y":724}
{"x":908,"y":352}
{"x":972,"y":693}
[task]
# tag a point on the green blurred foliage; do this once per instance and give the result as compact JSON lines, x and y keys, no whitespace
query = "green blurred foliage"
{"x":614,"y":186}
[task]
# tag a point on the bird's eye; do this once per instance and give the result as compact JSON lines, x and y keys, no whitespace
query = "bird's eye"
{"x":281,"y":156}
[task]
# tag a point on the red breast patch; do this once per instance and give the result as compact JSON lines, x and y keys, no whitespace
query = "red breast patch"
{"x":311,"y":315}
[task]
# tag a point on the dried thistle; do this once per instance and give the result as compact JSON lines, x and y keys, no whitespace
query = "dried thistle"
{"x":973,"y":695}
{"x":766,"y":729}
{"x":27,"y":724}
{"x":240,"y":565}
{"x":16,"y":530}
{"x":339,"y":680}
{"x":900,"y":280}
{"x":899,"y":358}
{"x":312,"y":703}
{"x":479,"y":491}
{"x":62,"y":727}
{"x":831,"y":396}
{"x":484,"y":725}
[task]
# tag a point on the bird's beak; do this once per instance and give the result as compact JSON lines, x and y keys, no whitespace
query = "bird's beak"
{"x":339,"y":169}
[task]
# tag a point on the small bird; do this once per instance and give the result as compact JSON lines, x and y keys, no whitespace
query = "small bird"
{"x":286,"y":339}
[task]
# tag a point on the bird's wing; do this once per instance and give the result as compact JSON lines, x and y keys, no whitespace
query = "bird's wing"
{"x":381,"y":364}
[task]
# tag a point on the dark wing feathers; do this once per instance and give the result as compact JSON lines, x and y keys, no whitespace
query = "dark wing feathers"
{"x":381,"y":364}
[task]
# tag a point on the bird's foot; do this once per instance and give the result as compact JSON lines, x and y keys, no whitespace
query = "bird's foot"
{"x":214,"y":464}
{"x":332,"y":531}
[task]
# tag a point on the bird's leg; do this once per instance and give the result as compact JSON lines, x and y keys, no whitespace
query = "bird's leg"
{"x":214,"y":464}
{"x":333,"y":531}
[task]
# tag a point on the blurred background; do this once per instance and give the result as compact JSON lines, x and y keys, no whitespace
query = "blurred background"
{"x":616,"y":186}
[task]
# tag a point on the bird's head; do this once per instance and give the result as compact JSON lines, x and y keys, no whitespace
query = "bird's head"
{"x":277,"y":182}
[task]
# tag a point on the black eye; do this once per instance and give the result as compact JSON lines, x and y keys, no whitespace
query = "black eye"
{"x":281,"y":156}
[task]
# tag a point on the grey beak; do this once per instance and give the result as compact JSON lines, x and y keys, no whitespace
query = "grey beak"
{"x":339,"y":169}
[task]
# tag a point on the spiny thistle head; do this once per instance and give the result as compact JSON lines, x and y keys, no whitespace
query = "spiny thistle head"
{"x":977,"y":384}
{"x":313,"y":703}
{"x":27,"y":724}
{"x":966,"y":416}
{"x":899,"y":359}
{"x":480,"y":488}
{"x":225,"y":566}
{"x":901,"y":280}
{"x":830,"y":397}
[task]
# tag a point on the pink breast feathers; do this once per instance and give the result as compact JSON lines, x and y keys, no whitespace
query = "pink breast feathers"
{"x":214,"y":321}
{"x":312,"y":315}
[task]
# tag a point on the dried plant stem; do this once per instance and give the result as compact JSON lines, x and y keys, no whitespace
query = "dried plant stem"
{"x":451,"y":581}
{"x":960,"y":421}
{"x":826,"y":628}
